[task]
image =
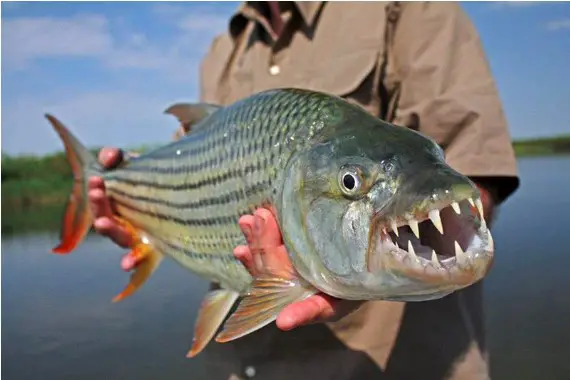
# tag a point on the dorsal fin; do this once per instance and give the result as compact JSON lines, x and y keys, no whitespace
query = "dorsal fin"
{"x":190,"y":114}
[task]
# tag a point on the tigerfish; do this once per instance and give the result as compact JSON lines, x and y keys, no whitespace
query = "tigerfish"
{"x":349,"y":192}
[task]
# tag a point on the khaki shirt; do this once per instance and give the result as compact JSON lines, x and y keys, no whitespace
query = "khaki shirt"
{"x":418,"y":65}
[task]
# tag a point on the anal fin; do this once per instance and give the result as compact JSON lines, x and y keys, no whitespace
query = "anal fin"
{"x":214,"y":309}
{"x":268,"y":296}
{"x":143,"y":253}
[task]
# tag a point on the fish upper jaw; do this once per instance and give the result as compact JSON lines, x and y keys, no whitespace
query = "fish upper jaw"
{"x":445,"y":245}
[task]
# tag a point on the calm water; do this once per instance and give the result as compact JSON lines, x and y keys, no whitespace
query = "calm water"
{"x":58,"y":321}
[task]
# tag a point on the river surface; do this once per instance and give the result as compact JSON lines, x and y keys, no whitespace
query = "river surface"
{"x":58,"y":321}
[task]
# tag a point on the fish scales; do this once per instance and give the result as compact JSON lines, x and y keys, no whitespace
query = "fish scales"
{"x":190,"y":194}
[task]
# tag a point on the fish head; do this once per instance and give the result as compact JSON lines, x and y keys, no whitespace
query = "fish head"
{"x":375,"y":212}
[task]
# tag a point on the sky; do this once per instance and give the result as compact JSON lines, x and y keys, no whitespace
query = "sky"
{"x":109,"y":69}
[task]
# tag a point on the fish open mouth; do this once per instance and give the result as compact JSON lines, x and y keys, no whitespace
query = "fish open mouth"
{"x":447,"y":243}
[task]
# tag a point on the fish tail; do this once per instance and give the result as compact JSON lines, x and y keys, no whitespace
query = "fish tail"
{"x":78,"y":217}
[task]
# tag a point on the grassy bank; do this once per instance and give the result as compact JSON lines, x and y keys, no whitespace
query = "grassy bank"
{"x":559,"y":145}
{"x":30,"y":183}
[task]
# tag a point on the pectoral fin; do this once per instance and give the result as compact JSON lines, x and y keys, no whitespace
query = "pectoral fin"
{"x":213,"y":311}
{"x":268,"y":296}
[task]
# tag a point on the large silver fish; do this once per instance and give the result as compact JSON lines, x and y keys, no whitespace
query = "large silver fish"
{"x":352,"y":195}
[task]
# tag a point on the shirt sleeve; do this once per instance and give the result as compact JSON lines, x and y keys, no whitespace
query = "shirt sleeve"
{"x":447,"y":91}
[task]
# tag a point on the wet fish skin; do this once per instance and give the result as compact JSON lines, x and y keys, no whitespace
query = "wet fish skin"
{"x":290,"y":149}
{"x":190,"y":194}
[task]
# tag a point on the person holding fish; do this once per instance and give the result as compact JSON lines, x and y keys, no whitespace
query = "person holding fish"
{"x":417,"y":65}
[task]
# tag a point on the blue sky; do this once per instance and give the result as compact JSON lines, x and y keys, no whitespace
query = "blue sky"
{"x":108,"y":69}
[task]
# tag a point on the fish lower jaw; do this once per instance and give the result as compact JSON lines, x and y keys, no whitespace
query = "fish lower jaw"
{"x":466,"y":267}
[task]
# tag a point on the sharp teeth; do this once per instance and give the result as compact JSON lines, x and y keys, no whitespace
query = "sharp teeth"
{"x":479,"y":206}
{"x":459,"y":254}
{"x":455,"y":207}
{"x":434,"y":259}
{"x":491,"y":242}
{"x":436,"y":220}
{"x":471,"y":202}
{"x":411,"y":251}
{"x":414,"y":226}
{"x":394,"y":227}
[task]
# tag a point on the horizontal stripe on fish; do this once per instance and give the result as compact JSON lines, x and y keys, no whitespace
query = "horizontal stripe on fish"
{"x":223,"y":267}
{"x":219,"y":204}
{"x":185,"y":181}
{"x":225,"y":187}
{"x":236,"y":188}
{"x":214,"y":185}
{"x":182,"y":176}
{"x":193,"y":147}
{"x":204,"y":239}
{"x":218,"y":200}
{"x":177,"y":166}
{"x":216,"y":151}
{"x":208,"y":221}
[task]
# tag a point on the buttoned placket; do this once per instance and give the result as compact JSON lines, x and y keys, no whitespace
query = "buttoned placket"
{"x":271,"y":55}
{"x":277,"y":44}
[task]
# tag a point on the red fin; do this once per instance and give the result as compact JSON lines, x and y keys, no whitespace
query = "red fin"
{"x":213,"y":311}
{"x":76,"y":222}
{"x":148,"y":260}
{"x":144,"y":254}
{"x":77,"y":219}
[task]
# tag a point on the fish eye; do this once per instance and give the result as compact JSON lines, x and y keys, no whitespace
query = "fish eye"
{"x":350,"y":180}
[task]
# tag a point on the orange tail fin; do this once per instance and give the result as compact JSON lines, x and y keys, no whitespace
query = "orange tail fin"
{"x":77,"y":219}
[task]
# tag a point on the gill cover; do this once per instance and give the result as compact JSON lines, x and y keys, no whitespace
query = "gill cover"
{"x":325,"y":231}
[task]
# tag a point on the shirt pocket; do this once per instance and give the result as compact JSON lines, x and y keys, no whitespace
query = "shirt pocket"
{"x":342,"y":73}
{"x":345,"y":52}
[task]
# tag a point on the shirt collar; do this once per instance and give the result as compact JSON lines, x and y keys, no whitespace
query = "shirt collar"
{"x":249,"y":10}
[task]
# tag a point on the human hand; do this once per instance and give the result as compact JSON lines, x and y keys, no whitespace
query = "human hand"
{"x":261,"y":230}
{"x":104,"y":223}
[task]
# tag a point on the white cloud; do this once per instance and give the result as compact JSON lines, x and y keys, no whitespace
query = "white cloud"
{"x":121,"y":118}
{"x":206,"y":20}
{"x":128,"y":112}
{"x":90,"y":36}
{"x":29,"y":38}
{"x":558,"y":24}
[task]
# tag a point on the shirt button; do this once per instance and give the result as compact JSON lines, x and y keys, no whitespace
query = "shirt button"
{"x":274,"y":70}
{"x":249,"y":371}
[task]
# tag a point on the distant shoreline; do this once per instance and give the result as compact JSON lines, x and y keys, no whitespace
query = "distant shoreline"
{"x":547,"y":146}
{"x":32,"y":182}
